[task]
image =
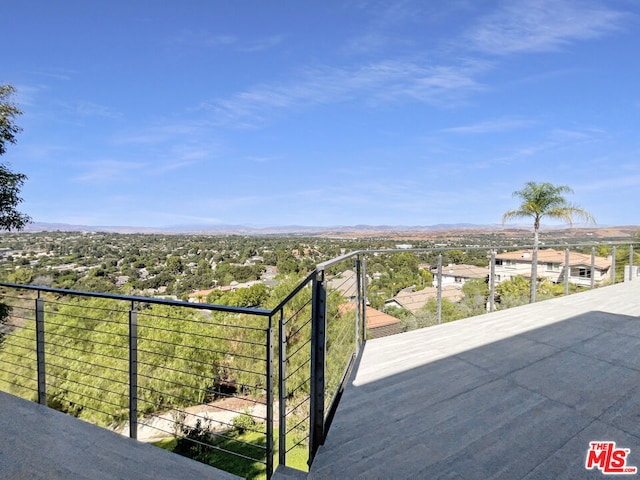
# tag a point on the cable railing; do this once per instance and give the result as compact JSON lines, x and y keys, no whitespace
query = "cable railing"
{"x":198,"y":375}
{"x":256,"y":386}
{"x":295,"y":324}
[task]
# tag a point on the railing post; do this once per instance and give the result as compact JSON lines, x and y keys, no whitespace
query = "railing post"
{"x":593,"y":267}
{"x":630,"y":262}
{"x":318,"y":354}
{"x":567,"y":270}
{"x":363,"y":306}
{"x":492,"y":282}
{"x":42,"y":378}
{"x":270,"y":397}
{"x":612,"y":274}
{"x":282,"y":391}
{"x":439,"y":291}
{"x":534,"y":273}
{"x":358,"y":308}
{"x":133,"y":372}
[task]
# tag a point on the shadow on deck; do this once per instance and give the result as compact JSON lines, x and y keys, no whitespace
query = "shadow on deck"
{"x":515,"y":394}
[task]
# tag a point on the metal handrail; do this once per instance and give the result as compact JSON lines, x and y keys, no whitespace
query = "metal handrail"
{"x":313,"y":386}
{"x":106,"y":389}
{"x":151,"y":300}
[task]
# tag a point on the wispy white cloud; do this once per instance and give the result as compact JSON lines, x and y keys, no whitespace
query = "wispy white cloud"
{"x":56,"y":73}
{"x":43,"y":151}
{"x":104,"y":171}
{"x":609,"y":184}
{"x":542,"y":25}
{"x":392,"y":24}
{"x":442,"y":85}
{"x":262,"y":44}
{"x":517,"y":27}
{"x":381,"y":82}
{"x":26,"y":94}
{"x":161,"y":133}
{"x":201,"y":38}
{"x":367,"y":43}
{"x":573,"y":136}
{"x":385,"y":13}
{"x":179,"y":157}
{"x":170,"y":167}
{"x":206,"y":39}
{"x":90,"y":109}
{"x":191,"y":150}
{"x":261,"y":159}
{"x":491,"y":126}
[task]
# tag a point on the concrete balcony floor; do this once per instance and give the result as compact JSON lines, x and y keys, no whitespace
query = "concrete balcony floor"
{"x":39,"y":443}
{"x":515,"y":394}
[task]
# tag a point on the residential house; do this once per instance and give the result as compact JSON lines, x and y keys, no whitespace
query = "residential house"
{"x":379,"y":324}
{"x":414,"y":301}
{"x":200,"y":296}
{"x":454,"y":274}
{"x":269,"y":274}
{"x":552,"y":265}
{"x":345,"y":283}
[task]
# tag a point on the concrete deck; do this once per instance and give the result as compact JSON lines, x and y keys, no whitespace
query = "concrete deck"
{"x":516,"y":394}
{"x":39,"y":443}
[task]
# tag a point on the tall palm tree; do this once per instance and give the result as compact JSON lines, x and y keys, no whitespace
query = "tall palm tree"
{"x":544,"y":200}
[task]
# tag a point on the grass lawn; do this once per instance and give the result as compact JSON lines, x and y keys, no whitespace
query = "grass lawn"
{"x":296,"y":458}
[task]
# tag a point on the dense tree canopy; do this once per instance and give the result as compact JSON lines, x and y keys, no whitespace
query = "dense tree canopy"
{"x":10,"y":182}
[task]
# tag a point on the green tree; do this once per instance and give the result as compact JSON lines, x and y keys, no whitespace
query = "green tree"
{"x":476,"y":293}
{"x":398,"y":312}
{"x":22,"y":276}
{"x":541,"y":200}
{"x":513,"y":292}
{"x":174,"y":265}
{"x":5,"y":311}
{"x":203,"y":268}
{"x":453,"y":256}
{"x":10,"y":182}
{"x":450,"y":311}
{"x":254,"y":296}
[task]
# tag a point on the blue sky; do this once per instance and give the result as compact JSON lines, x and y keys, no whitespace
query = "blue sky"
{"x":160,"y":113}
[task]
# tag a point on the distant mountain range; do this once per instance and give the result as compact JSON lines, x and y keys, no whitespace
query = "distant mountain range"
{"x":275,"y":230}
{"x":247,"y":229}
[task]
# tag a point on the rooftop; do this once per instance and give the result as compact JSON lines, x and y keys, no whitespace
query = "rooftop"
{"x":465,"y":271}
{"x":414,"y":301}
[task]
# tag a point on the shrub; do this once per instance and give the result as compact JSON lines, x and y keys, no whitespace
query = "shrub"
{"x":244,"y":422}
{"x":195,"y":442}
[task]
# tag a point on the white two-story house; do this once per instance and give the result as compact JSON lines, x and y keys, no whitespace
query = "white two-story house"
{"x":453,"y":274}
{"x":551,"y":265}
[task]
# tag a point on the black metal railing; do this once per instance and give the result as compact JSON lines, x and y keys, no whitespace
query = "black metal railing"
{"x":203,"y":374}
{"x":148,"y":368}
